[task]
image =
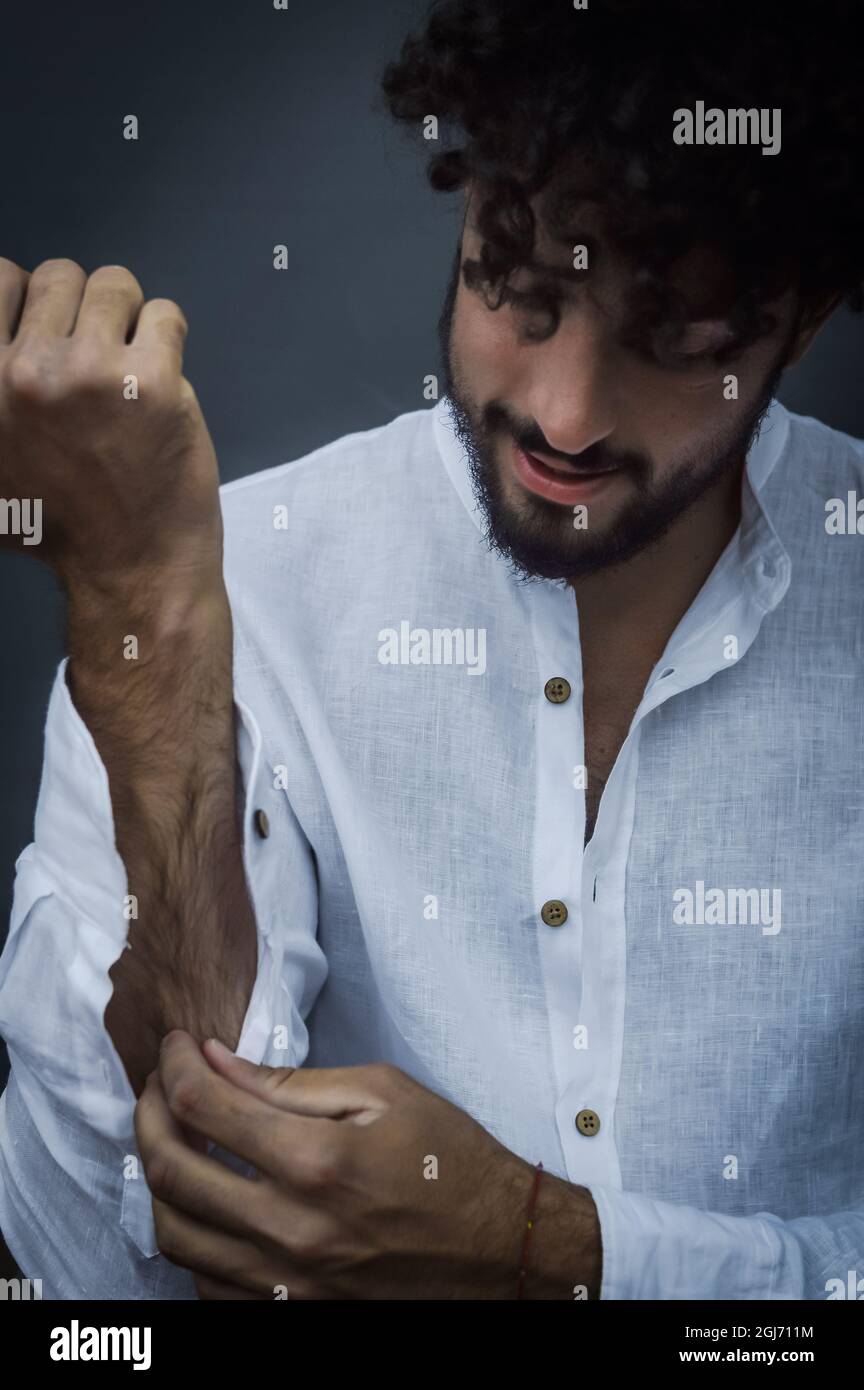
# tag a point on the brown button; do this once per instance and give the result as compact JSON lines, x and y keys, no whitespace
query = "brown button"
{"x":557,"y":690}
{"x":588,"y":1122}
{"x":554,"y":913}
{"x":262,"y":824}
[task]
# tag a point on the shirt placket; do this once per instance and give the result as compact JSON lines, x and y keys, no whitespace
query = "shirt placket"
{"x":580,"y":895}
{"x":580,"y":953}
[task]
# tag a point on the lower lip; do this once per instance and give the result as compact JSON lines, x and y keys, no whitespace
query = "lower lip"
{"x":560,"y":487}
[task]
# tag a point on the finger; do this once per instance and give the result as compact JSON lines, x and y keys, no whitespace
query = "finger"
{"x":162,"y":329}
{"x":53,"y":296}
{"x":186,"y":1178}
{"x":245,"y":1124}
{"x":333,"y":1092}
{"x":13,"y":288}
{"x":215,"y":1289}
{"x":194,"y":1246}
{"x":209,"y":1288}
{"x":110,"y":305}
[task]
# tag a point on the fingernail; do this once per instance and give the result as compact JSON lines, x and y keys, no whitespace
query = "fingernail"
{"x":219,"y":1047}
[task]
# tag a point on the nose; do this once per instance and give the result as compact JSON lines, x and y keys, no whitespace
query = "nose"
{"x":570,"y":388}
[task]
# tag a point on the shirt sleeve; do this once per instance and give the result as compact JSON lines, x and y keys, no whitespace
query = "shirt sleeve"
{"x":70,"y":1096}
{"x":666,"y":1251}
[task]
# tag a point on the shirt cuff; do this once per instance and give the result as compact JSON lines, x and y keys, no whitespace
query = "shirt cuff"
{"x":666,"y":1251}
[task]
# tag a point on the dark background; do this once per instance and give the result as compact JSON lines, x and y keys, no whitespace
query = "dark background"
{"x":257,"y":127}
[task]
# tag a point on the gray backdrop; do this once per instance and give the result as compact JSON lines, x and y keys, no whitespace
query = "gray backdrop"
{"x":257,"y":127}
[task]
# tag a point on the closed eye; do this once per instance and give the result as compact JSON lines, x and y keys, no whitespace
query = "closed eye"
{"x":704,"y":338}
{"x":703,"y":343}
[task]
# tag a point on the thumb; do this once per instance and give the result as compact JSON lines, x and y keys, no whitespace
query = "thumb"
{"x":333,"y":1093}
{"x":260,"y":1080}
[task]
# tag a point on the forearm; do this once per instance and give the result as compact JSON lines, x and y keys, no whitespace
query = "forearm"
{"x":163,"y":724}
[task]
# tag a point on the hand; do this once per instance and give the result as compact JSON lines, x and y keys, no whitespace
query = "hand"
{"x":368,"y":1186}
{"x":106,"y":434}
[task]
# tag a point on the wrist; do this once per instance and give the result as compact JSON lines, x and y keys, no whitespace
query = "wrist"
{"x":185,"y":562}
{"x":565,"y":1252}
{"x":151,"y":674}
{"x":126,"y":629}
{"x":161,"y":600}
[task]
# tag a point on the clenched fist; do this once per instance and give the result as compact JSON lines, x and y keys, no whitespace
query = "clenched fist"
{"x":99,"y":425}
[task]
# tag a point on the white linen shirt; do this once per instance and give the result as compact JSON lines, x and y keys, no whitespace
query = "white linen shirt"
{"x":423,"y":813}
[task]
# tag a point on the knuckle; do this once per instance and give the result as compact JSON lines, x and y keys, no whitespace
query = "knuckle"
{"x":187,"y":398}
{"x":241,"y":1270}
{"x":319,"y":1169}
{"x":167,"y":307}
{"x":306,"y":1243}
{"x":277,"y":1080}
{"x":385,"y":1076}
{"x":161,"y":1176}
{"x":58,"y":267}
{"x":186,"y":1097}
{"x":11,"y":270}
{"x":111,"y":280}
{"x":170,"y":315}
{"x":28,"y":376}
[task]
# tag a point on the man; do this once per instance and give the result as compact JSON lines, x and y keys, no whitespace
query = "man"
{"x":518,"y":862}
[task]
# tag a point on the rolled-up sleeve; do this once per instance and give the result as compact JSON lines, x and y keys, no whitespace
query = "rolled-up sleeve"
{"x":70,"y":1107}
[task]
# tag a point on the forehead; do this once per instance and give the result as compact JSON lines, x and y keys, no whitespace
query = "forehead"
{"x":570,"y":212}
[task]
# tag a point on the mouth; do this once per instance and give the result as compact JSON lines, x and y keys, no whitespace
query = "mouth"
{"x":561,"y":482}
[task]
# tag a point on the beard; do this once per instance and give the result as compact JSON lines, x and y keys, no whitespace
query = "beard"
{"x":536,"y":536}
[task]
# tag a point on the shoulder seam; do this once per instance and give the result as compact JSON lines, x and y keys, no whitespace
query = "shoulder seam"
{"x":315,"y":455}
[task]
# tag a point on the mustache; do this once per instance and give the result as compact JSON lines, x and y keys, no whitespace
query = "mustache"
{"x":595,"y":457}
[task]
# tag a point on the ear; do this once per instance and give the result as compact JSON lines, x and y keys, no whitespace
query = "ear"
{"x":811,"y":320}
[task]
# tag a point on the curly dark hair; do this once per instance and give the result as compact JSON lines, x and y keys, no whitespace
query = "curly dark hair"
{"x":521,"y":86}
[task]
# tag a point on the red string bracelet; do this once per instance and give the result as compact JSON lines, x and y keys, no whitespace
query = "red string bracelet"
{"x":529,"y":1226}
